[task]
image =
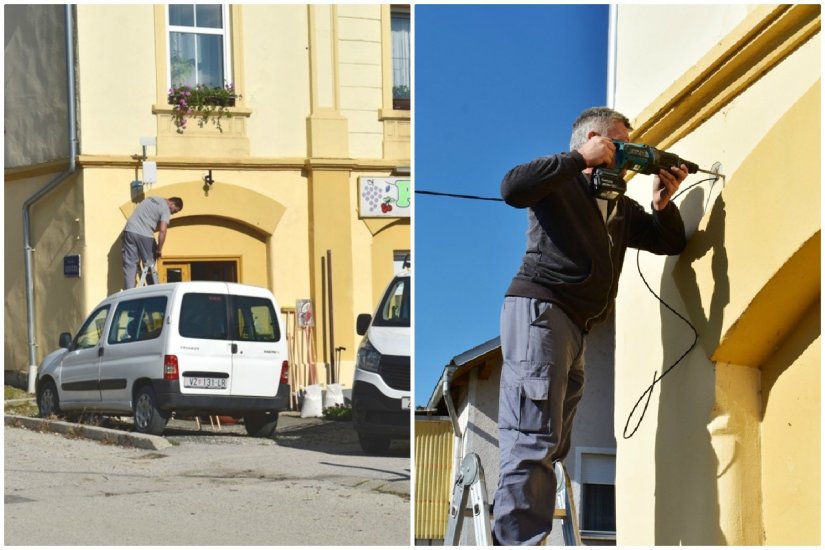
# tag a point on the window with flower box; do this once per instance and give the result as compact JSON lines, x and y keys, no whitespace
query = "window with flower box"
{"x":199,"y":45}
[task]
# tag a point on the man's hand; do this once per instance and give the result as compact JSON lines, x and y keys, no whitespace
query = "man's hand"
{"x":598,"y":151}
{"x":666,"y":184}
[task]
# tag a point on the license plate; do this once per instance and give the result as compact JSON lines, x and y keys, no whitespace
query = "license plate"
{"x":205,"y":383}
{"x":405,"y":403}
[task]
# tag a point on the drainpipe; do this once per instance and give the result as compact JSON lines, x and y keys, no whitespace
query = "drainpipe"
{"x":60,"y":178}
{"x":612,"y":40}
{"x":458,"y":437}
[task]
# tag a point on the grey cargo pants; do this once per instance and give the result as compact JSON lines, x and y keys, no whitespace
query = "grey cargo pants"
{"x":542,"y":381}
{"x":136,"y":247}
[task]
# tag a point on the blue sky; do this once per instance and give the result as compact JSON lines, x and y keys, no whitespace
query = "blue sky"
{"x":495,"y":86}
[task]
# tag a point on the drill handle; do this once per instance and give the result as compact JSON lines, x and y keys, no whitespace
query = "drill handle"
{"x":666,"y":160}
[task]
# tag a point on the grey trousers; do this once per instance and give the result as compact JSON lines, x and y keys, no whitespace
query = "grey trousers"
{"x":542,"y":381}
{"x":136,"y":247}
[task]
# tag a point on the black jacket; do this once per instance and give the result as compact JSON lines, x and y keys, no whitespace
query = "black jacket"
{"x":573,"y":256}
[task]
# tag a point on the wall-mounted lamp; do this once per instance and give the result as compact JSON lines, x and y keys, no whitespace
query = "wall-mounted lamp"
{"x":207,"y":180}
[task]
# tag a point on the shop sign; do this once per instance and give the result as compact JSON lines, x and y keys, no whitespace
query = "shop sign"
{"x":384,"y":197}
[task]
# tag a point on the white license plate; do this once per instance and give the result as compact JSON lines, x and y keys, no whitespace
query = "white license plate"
{"x":205,"y":383}
{"x":405,"y":403}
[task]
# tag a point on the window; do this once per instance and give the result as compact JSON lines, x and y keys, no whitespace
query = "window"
{"x":599,"y":507}
{"x":400,"y":260}
{"x":395,"y":306}
{"x":89,"y":334}
{"x":598,"y":494}
{"x":255,"y":320}
{"x":137,"y":320}
{"x":203,"y":316}
{"x":400,"y":36}
{"x":198,"y":45}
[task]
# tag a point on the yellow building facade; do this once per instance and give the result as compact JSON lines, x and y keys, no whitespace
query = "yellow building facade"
{"x":728,"y":451}
{"x":271,"y":196}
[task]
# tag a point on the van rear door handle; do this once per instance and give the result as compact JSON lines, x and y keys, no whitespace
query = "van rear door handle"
{"x":100,"y":352}
{"x":234,"y":348}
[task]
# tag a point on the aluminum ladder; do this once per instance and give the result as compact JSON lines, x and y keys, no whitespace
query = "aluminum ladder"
{"x":470,"y":484}
{"x":148,"y":268}
{"x":566,"y":507}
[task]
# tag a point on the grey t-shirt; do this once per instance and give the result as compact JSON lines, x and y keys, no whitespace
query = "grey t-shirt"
{"x":144,"y":220}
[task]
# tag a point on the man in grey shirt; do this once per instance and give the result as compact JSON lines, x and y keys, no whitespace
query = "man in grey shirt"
{"x":153,"y":214}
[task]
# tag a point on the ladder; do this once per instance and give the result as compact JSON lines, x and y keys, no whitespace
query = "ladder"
{"x":148,"y":268}
{"x":470,"y":483}
{"x":470,"y":479}
{"x":566,"y":507}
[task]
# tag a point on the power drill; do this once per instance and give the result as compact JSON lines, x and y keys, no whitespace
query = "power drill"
{"x":608,"y":183}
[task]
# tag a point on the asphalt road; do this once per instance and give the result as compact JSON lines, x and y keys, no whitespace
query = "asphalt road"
{"x":311,"y":485}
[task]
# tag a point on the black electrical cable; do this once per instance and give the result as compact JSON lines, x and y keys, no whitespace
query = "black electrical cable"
{"x":656,"y":380}
{"x":456,"y":196}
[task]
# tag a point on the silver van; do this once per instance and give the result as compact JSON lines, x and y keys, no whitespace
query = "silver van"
{"x":192,"y":348}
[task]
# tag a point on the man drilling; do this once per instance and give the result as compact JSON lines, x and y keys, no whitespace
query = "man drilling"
{"x":138,"y":239}
{"x":566,"y":284}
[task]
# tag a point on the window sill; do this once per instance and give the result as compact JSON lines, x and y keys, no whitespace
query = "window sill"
{"x":598,"y":535}
{"x":166,"y":109}
{"x":392,"y":114}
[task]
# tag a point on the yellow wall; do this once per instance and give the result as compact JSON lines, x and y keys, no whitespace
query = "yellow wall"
{"x":791,"y":436}
{"x":750,"y":100}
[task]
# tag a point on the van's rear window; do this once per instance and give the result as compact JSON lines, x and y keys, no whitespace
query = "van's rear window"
{"x":222,"y":317}
{"x":254,"y":319}
{"x":203,"y":316}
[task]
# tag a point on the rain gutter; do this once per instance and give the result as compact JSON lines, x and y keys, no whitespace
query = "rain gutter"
{"x":46,"y":189}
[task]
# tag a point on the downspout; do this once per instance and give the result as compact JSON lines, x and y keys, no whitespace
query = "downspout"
{"x":60,"y":178}
{"x":458,"y":437}
{"x":612,"y":40}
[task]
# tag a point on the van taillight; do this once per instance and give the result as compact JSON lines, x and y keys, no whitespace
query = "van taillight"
{"x":170,"y":367}
{"x":285,"y":372}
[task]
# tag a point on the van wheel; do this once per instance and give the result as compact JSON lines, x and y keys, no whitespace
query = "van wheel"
{"x":374,"y":444}
{"x":48,"y":402}
{"x":261,"y":424}
{"x":149,"y":419}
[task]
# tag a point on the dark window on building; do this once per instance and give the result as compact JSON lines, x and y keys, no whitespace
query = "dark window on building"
{"x":598,"y":507}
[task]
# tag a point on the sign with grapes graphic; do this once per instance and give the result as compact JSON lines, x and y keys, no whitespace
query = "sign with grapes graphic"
{"x":384,"y":197}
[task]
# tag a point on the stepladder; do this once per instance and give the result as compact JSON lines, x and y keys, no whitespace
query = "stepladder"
{"x":470,"y":485}
{"x":566,"y":507}
{"x":149,"y":268}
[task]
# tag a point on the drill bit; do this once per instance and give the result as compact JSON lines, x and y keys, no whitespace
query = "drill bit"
{"x":714,"y":171}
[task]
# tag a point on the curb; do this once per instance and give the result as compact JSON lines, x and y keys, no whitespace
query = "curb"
{"x":95,"y":433}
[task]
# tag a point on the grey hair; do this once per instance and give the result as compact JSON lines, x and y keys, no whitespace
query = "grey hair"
{"x":598,"y":119}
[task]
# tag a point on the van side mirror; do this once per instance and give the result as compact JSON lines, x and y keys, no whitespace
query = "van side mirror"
{"x":362,"y":323}
{"x":65,"y":340}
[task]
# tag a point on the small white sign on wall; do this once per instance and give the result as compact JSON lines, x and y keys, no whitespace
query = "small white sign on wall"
{"x":380,"y":197}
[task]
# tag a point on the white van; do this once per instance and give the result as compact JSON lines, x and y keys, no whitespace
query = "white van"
{"x":381,"y":385}
{"x":192,"y":348}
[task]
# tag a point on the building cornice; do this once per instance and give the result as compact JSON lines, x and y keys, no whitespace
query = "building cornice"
{"x":35,"y":170}
{"x":244,"y":164}
{"x":765,"y":38}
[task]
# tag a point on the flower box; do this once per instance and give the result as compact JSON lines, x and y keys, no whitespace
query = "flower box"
{"x":203,"y":102}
